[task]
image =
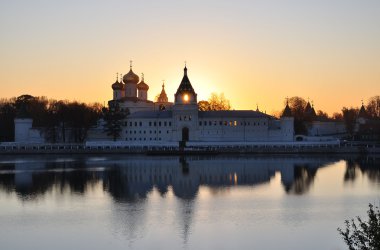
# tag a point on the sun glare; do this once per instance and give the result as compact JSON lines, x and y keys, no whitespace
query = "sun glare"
{"x":186,"y":97}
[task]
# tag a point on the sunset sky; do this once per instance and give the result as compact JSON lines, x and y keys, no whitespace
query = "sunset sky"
{"x":255,"y":52}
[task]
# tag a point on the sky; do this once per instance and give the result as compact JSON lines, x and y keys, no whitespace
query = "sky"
{"x":256,"y":52}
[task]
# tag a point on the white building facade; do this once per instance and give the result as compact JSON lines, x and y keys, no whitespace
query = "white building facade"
{"x":157,"y":122}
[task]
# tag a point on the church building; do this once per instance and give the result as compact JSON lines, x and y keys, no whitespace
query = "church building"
{"x":162,"y":121}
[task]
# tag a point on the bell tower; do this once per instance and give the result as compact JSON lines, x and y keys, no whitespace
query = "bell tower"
{"x":185,"y":111}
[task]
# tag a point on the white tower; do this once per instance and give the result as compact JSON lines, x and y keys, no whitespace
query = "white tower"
{"x":287,"y":124}
{"x":185,"y":111}
{"x":23,"y":124}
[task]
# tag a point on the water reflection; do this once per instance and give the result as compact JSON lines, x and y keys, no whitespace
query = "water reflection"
{"x":157,"y":196}
{"x":368,"y":166}
{"x":130,"y":179}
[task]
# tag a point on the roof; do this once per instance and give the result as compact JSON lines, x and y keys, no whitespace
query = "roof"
{"x":133,"y":99}
{"x":287,"y":111}
{"x":203,"y":114}
{"x":233,"y":113}
{"x":185,"y":85}
{"x":151,"y":114}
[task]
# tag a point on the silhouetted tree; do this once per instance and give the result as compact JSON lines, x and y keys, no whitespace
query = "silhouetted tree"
{"x":215,"y":102}
{"x":51,"y":116}
{"x":349,"y":117}
{"x":373,"y":107}
{"x":7,"y":114}
{"x":337,"y":116}
{"x":203,"y":106}
{"x":114,"y":116}
{"x":322,"y":116}
{"x":366,"y":234}
{"x":297,"y":105}
{"x":219,"y":102}
{"x":81,"y":118}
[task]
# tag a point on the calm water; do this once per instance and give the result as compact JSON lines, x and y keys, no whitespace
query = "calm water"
{"x":139,"y":202}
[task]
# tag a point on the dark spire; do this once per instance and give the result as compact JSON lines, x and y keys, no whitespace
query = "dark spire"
{"x":287,"y":111}
{"x":309,"y":111}
{"x":185,"y":85}
{"x":362,"y":112}
{"x":313,"y":110}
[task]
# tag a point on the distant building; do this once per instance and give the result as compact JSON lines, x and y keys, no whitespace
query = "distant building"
{"x":367,"y":128}
{"x":317,"y":127}
{"x":163,"y":121}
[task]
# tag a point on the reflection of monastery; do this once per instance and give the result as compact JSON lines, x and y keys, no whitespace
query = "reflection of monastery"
{"x":134,"y":177}
{"x":130,"y":181}
{"x":162,"y":121}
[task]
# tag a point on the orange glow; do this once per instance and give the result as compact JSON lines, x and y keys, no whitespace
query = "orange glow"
{"x":186,"y":97}
{"x":260,"y":54}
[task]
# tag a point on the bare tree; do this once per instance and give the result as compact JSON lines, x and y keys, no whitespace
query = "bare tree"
{"x":215,"y":102}
{"x":373,"y":107}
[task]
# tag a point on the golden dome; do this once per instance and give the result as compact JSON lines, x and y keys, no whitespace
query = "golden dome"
{"x":143,"y":86}
{"x":130,"y":78}
{"x":117,"y":86}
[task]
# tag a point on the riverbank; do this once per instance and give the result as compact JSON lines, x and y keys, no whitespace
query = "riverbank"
{"x":190,"y":149}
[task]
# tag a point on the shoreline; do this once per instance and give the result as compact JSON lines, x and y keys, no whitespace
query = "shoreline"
{"x":77,"y":149}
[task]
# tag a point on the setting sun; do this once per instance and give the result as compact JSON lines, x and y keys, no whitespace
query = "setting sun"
{"x":186,"y":97}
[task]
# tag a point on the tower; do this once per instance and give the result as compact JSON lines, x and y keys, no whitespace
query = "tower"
{"x":23,"y":123}
{"x":362,"y":116}
{"x":287,"y":123}
{"x":142,"y":89}
{"x":130,"y":79}
{"x":162,"y":98}
{"x":185,"y":111}
{"x":118,"y":89}
{"x":185,"y":94}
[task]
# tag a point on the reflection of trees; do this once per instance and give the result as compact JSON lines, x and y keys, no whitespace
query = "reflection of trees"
{"x":350,"y":174}
{"x":369,"y":166}
{"x":31,"y":183}
{"x":303,"y":179}
{"x":7,"y":180}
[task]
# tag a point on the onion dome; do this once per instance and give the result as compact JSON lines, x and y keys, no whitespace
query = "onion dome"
{"x":142,"y":85}
{"x":130,"y":77}
{"x":117,"y":85}
{"x":185,"y":86}
{"x":287,"y":111}
{"x":162,"y":97}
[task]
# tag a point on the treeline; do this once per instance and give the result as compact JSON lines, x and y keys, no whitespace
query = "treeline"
{"x":59,"y":120}
{"x":303,"y":112}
